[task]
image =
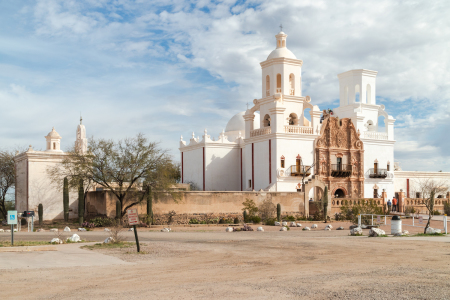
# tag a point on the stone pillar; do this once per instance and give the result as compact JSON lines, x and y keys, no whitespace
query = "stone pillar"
{"x":401,"y":201}
{"x":389,"y":124}
{"x":315,"y":114}
{"x":248,"y":117}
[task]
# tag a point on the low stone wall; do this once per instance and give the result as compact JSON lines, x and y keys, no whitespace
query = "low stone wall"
{"x":197,"y":203}
{"x":420,"y":208}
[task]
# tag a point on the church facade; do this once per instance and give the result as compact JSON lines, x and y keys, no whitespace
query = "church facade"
{"x":284,"y":139}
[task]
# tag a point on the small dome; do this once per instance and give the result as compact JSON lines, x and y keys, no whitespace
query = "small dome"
{"x":237,"y":123}
{"x":281,"y":52}
{"x":53,"y":134}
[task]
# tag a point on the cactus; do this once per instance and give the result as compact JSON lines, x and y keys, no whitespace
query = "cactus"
{"x":81,"y":203}
{"x":236,"y":220}
{"x":66,"y":199}
{"x":150,"y":206}
{"x":40,"y":213}
{"x":118,"y":210}
{"x":325,"y":203}
{"x":245,"y":216}
{"x":279,"y":212}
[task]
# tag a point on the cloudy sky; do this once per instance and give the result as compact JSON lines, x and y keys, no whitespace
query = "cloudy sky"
{"x":167,"y":68}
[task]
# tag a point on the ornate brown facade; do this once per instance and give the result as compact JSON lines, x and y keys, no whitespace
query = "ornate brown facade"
{"x":339,"y":156}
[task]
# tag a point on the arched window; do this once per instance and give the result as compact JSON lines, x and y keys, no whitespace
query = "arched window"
{"x":292,"y":84}
{"x":284,"y":43}
{"x":267,"y":85}
{"x":357,"y":93}
{"x":279,"y":43}
{"x":293,"y":119}
{"x":381,"y":126}
{"x":282,"y":161}
{"x":266,"y":121}
{"x":54,"y":146}
{"x":278,"y":83}
{"x":368,"y":94}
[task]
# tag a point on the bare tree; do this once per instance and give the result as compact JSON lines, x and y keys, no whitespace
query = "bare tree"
{"x":129,"y":168}
{"x":7,"y":178}
{"x":267,"y":209}
{"x":428,"y":189}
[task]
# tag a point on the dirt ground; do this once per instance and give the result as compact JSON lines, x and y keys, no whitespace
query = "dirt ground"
{"x":201,"y":263}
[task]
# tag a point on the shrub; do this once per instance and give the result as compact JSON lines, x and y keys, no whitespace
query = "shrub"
{"x":101,"y":221}
{"x":170,"y":216}
{"x":267,"y":209}
{"x":436,"y":213}
{"x":236,"y":220}
{"x":193,"y":221}
{"x":250,"y":206}
{"x":339,"y":216}
{"x":222,"y":221}
{"x":271,"y":222}
{"x":287,"y":227}
{"x":88,"y":225}
{"x":409,"y":210}
{"x":246,"y":228}
{"x":256,"y":219}
{"x":289,"y":218}
{"x":363,"y":207}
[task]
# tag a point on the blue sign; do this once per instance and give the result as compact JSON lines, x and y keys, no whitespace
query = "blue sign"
{"x":12,"y":217}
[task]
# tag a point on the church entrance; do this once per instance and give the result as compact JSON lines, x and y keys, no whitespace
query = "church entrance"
{"x":339,"y":193}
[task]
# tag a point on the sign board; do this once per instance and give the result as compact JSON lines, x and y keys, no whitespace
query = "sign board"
{"x":133,"y":218}
{"x":420,"y":220}
{"x":379,"y":219}
{"x":12,"y":217}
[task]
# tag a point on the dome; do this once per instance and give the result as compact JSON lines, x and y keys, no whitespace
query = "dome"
{"x":237,"y":123}
{"x":53,"y":134}
{"x":281,"y":52}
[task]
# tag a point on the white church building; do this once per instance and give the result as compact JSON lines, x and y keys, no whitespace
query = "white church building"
{"x":273,"y":146}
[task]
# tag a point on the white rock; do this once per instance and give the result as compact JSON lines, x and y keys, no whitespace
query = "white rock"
{"x":67,"y":229}
{"x":374,"y":232}
{"x":109,"y":240}
{"x":1,"y":230}
{"x":277,"y":224}
{"x":432,"y":230}
{"x":82,"y":229}
{"x":405,"y":232}
{"x":314,"y":226}
{"x":437,"y":231}
{"x":284,"y":223}
{"x":229,"y":229}
{"x":283,"y":229}
{"x":54,"y":229}
{"x":327,"y":228}
{"x":165,"y":230}
{"x":15,"y":230}
{"x":259,"y":229}
{"x":356,"y":230}
{"x":7,"y":230}
{"x":306,"y":228}
{"x":107,"y":229}
{"x":40,"y":230}
{"x":340,"y":228}
{"x":74,"y":238}
{"x":56,"y":241}
{"x":131,"y":229}
{"x":293,"y":224}
{"x":299,"y":225}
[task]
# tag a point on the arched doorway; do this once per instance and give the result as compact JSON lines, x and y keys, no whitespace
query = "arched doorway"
{"x":339,"y":193}
{"x":315,"y":194}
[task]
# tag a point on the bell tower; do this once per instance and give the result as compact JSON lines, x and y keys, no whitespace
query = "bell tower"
{"x":81,"y":141}
{"x":53,"y":141}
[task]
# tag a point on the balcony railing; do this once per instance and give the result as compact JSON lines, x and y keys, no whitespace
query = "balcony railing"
{"x":261,"y":131}
{"x":375,"y":135}
{"x":341,"y":170}
{"x":378,"y":173}
{"x":292,"y":92}
{"x":298,"y":129}
{"x":278,"y":90}
{"x":300,"y":170}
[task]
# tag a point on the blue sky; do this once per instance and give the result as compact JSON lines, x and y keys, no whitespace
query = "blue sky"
{"x":167,"y":68}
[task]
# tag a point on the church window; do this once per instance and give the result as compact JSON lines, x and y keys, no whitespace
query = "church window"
{"x":282,"y":161}
{"x":267,"y":85}
{"x":388,"y":167}
{"x":266,"y":121}
{"x":249,"y":183}
{"x":375,"y":168}
{"x":278,"y":83}
{"x":375,"y":193}
{"x":417,"y":195}
{"x":292,"y":84}
{"x":54,"y":146}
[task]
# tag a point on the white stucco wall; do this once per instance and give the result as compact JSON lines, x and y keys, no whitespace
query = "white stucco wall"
{"x":193,"y":167}
{"x":222,"y":168}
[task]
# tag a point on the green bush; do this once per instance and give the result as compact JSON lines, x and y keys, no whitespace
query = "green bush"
{"x":447,"y":208}
{"x":436,"y":213}
{"x":289,"y":218}
{"x":256,"y":219}
{"x":193,"y":221}
{"x":222,"y":221}
{"x":271,"y":222}
{"x":363,"y":207}
{"x":236,"y":220}
{"x":102,"y":221}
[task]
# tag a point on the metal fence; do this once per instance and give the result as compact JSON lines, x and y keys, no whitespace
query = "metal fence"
{"x":415,"y":220}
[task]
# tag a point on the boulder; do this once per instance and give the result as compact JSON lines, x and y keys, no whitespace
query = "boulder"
{"x":260,"y":229}
{"x":306,"y":228}
{"x":56,"y":241}
{"x":229,"y":229}
{"x":108,"y":240}
{"x":131,"y":229}
{"x":405,"y":232}
{"x":340,"y":228}
{"x":40,"y":230}
{"x":107,"y":229}
{"x":67,"y":229}
{"x":277,"y":224}
{"x":353,"y":226}
{"x":54,"y":230}
{"x":299,"y":225}
{"x":364,"y":226}
{"x":7,"y":230}
{"x":356,"y":231}
{"x":329,"y":226}
{"x":1,"y":230}
{"x":374,"y":232}
{"x":15,"y":230}
{"x":292,"y":224}
{"x":82,"y":229}
{"x":432,"y":230}
{"x":74,"y":238}
{"x":283,"y":229}
{"x":284,"y":223}
{"x":314,"y":226}
{"x":165,"y":230}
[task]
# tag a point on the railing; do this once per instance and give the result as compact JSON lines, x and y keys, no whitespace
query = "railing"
{"x":375,"y":135}
{"x":341,"y":170}
{"x":267,"y":93}
{"x":300,"y":170}
{"x":278,"y":90}
{"x":422,"y":220}
{"x":379,"y":173}
{"x":292,"y":92}
{"x":298,"y":129}
{"x":261,"y":131}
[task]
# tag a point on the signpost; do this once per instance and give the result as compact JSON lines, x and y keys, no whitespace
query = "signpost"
{"x":12,"y":220}
{"x":420,"y":220}
{"x":133,"y":219}
{"x":379,"y":219}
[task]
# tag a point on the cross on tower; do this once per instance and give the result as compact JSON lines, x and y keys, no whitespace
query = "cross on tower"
{"x":247,"y":105}
{"x":281,"y":27}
